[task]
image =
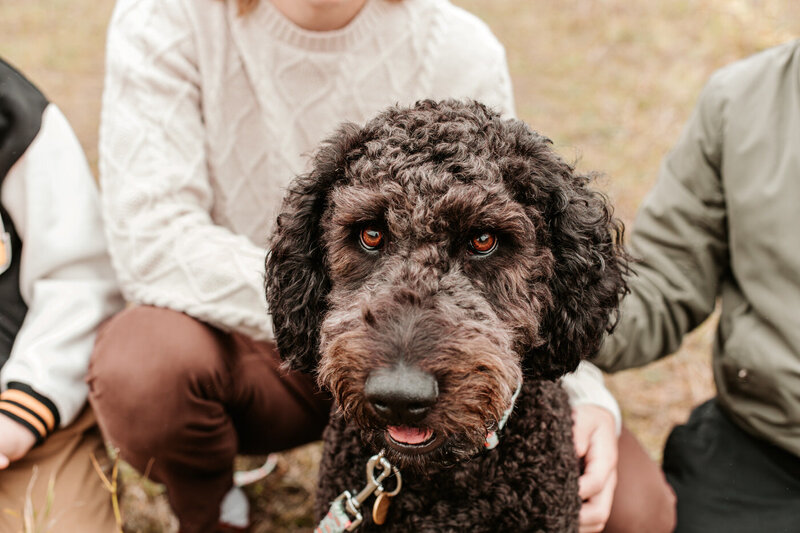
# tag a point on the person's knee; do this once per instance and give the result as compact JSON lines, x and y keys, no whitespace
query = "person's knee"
{"x":665,"y":506}
{"x":147,"y":347}
{"x":643,"y":500}
{"x":653,"y":511}
{"x":146,"y":363}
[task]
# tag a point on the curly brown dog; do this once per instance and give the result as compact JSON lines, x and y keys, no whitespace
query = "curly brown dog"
{"x":431,"y":262}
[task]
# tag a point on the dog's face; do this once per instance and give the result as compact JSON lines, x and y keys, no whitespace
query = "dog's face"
{"x":430,"y":260}
{"x":437,"y":286}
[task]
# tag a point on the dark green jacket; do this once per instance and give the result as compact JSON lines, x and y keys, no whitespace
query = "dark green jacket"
{"x":723,"y":221}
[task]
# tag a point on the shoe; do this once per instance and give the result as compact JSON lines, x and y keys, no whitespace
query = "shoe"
{"x":234,"y":512}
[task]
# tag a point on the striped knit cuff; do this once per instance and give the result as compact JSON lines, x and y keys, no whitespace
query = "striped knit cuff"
{"x":24,"y":405}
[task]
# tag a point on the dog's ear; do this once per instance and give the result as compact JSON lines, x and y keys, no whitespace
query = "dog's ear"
{"x":589,"y":267}
{"x":297,"y":282}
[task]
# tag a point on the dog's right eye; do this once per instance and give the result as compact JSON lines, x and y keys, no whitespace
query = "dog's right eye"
{"x":482,"y":244}
{"x":371,"y":239}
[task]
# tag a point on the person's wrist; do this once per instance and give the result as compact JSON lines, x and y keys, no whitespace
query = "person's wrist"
{"x":15,"y":439}
{"x":35,"y":412}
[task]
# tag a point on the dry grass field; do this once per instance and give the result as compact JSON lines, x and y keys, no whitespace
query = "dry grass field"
{"x":610,"y":81}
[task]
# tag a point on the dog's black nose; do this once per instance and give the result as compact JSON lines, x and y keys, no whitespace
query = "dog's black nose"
{"x":402,"y":393}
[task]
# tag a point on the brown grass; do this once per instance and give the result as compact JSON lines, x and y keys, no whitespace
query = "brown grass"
{"x":610,"y":81}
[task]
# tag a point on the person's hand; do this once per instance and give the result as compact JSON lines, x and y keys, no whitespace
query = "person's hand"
{"x":595,"y":435}
{"x":15,"y":441}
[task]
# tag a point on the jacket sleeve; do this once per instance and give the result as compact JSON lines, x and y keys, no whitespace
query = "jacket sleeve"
{"x":65,"y":279}
{"x":157,"y":195}
{"x":679,"y":240}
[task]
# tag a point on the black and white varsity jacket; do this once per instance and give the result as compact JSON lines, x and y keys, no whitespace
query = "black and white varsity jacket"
{"x":56,"y":282}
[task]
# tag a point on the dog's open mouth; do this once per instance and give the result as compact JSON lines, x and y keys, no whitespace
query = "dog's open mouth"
{"x":412,"y":440}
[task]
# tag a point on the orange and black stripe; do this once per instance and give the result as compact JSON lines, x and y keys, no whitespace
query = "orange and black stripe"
{"x":26,"y":406}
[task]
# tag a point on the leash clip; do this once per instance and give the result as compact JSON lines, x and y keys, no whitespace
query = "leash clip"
{"x":352,"y":504}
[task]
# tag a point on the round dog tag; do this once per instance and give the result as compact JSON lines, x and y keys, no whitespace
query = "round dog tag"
{"x":380,"y":508}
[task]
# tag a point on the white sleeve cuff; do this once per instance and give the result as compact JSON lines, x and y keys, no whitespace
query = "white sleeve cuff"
{"x":586,"y":386}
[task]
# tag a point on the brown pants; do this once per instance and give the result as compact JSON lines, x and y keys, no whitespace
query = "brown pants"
{"x":181,"y":399}
{"x":80,"y":502}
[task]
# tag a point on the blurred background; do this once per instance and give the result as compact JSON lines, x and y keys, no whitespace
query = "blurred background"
{"x":611,"y":82}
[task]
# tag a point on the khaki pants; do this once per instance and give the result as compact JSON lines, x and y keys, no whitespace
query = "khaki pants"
{"x":80,"y":502}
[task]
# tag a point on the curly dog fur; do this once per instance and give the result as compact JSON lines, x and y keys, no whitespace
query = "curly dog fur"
{"x":431,"y":261}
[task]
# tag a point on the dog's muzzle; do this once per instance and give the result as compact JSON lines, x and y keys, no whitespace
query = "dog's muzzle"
{"x":402,"y":396}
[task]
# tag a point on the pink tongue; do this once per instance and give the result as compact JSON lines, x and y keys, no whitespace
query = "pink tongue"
{"x":407,"y":435}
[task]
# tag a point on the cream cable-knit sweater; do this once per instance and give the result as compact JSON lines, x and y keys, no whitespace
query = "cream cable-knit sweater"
{"x":207,"y":116}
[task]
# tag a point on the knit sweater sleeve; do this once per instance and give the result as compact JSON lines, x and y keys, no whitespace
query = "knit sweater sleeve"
{"x":157,"y":196}
{"x":585,"y":386}
{"x":471,"y":63}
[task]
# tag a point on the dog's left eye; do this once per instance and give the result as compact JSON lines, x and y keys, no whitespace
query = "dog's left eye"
{"x":483,"y":244}
{"x":371,"y":239}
